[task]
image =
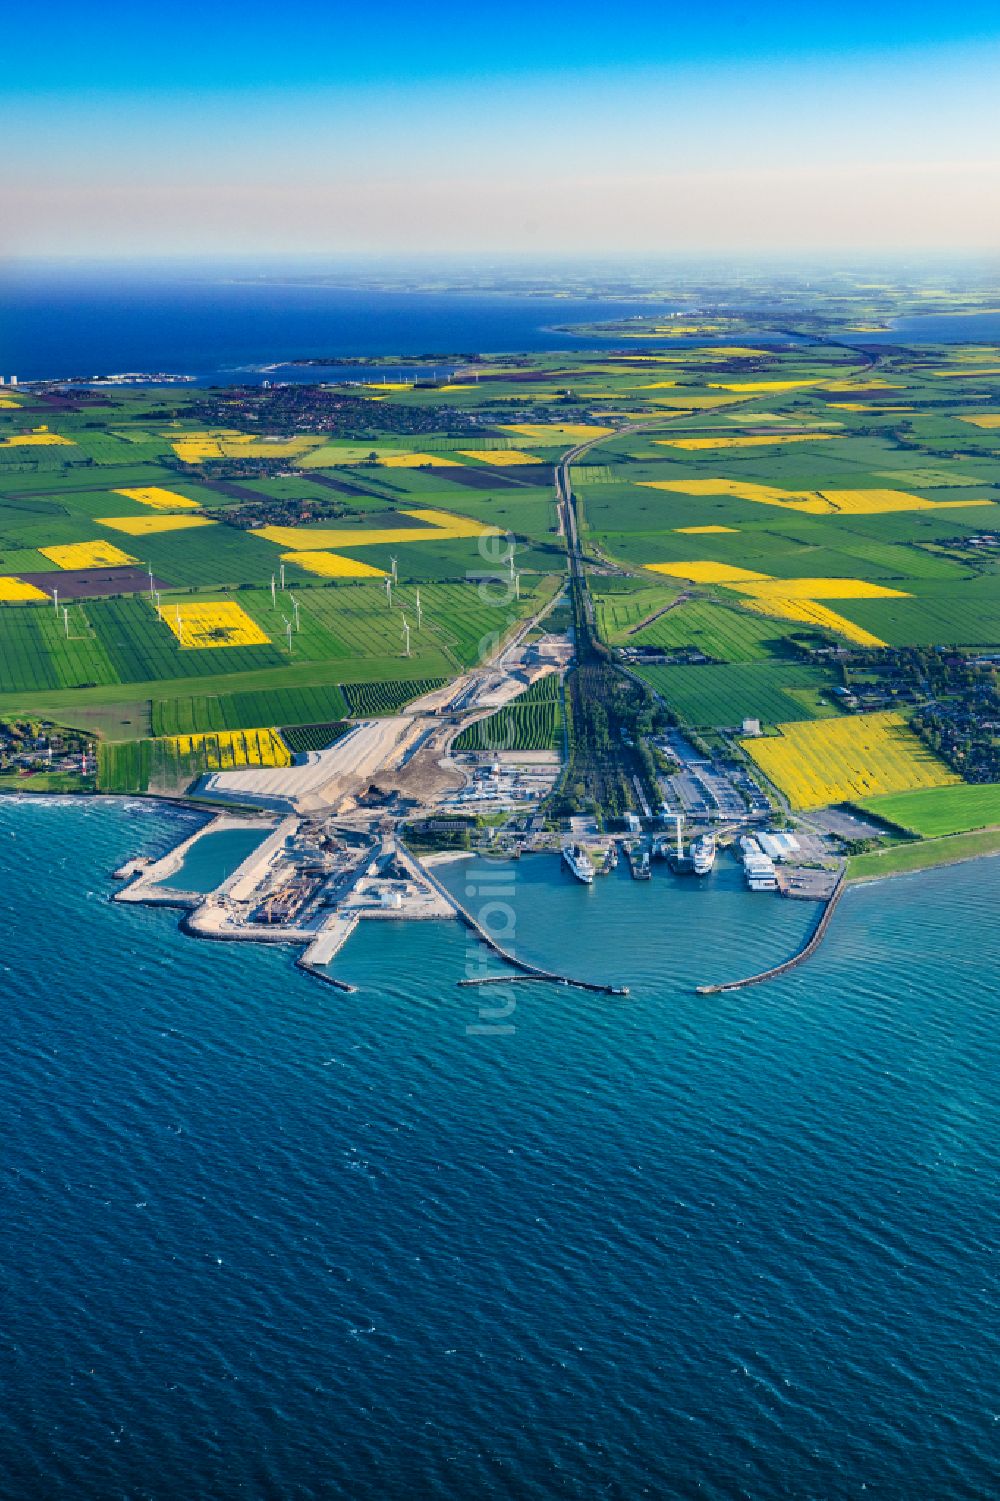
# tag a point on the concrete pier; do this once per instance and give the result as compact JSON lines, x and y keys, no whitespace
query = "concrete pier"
{"x":144,"y":876}
{"x":809,"y":948}
{"x":527,"y":971}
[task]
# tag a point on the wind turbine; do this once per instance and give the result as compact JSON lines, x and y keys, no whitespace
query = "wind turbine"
{"x":510,"y":561}
{"x":406,"y":636}
{"x":149,"y":569}
{"x":55,"y":600}
{"x":282,"y":575}
{"x":517,"y":586}
{"x":419,"y":611}
{"x":273,"y":599}
{"x":395,"y":575}
{"x":66,"y":620}
{"x":388,"y":588}
{"x":295,"y":607}
{"x":158,"y":602}
{"x":288,"y":629}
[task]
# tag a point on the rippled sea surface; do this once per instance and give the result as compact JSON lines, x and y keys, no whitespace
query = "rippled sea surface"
{"x":262,"y":1239}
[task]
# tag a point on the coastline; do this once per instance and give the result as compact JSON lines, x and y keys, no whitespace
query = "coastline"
{"x":924,"y":854}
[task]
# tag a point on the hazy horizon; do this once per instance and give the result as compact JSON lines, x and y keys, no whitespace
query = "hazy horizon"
{"x":526,"y":130}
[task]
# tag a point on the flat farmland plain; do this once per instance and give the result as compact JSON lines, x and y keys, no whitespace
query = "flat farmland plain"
{"x":803,"y":467}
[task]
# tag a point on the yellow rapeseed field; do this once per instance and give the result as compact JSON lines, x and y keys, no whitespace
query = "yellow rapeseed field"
{"x":456,"y":526}
{"x":144,"y":526}
{"x":331,"y":565}
{"x":682,"y":402}
{"x":16,"y":591}
{"x":810,"y":612}
{"x":820,"y":588}
{"x":879,"y":502}
{"x":159,"y":499}
{"x":768,"y":495}
{"x":867,"y":406}
{"x":418,"y":461}
{"x":87,"y":555}
{"x":814,"y":502}
{"x":195,"y":448}
{"x":40,"y":439}
{"x":699,"y":531}
{"x":967,"y":374}
{"x":223,"y":623}
{"x":706,"y":572}
{"x":440,"y":526}
{"x":750,"y":386}
{"x":227,"y":750}
{"x":869,"y":384}
{"x":786,"y":599}
{"x":822,"y":761}
{"x":501,"y":457}
{"x":551,"y":434}
{"x":987,"y":420}
{"x":758,"y":440}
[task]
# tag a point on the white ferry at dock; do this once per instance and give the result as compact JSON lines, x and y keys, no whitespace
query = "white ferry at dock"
{"x":579,"y":862}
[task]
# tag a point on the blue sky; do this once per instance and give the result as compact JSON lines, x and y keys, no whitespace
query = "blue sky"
{"x":654,"y":127}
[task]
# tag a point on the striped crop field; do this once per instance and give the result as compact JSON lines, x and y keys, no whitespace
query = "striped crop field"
{"x":533,"y":721}
{"x":312,"y":737}
{"x":386,"y":698}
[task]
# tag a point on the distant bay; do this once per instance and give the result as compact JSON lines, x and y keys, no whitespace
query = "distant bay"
{"x":226,"y":331}
{"x":61,"y":324}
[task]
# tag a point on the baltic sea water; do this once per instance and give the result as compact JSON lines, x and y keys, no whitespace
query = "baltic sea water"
{"x":56,"y":324}
{"x":263,"y":1239}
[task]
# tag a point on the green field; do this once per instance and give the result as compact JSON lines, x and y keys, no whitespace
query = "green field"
{"x":720,"y":631}
{"x":939,"y":810}
{"x":923,"y":854}
{"x":772,"y":692}
{"x":191,"y":713}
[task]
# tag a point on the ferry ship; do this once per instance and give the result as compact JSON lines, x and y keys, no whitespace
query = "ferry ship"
{"x":579,"y":863}
{"x":703,"y":854}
